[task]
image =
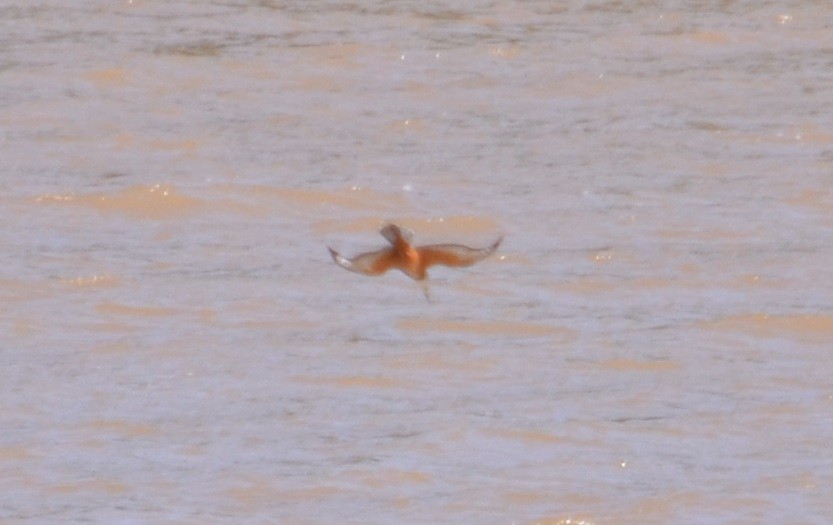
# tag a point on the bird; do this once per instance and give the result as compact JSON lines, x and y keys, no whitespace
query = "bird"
{"x":413,"y":261}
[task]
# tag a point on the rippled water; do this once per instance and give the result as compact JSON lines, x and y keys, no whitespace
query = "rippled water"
{"x":651,"y":344}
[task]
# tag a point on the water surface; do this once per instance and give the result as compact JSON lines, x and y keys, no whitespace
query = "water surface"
{"x":650,"y":345}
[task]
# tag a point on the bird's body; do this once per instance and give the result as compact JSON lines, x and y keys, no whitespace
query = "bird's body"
{"x":413,"y":261}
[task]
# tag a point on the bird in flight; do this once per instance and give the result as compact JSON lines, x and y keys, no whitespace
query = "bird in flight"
{"x":413,"y":261}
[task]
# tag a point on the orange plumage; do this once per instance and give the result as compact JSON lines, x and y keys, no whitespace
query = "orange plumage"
{"x":412,"y":261}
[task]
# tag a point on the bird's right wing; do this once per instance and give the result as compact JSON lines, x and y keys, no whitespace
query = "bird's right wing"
{"x":370,"y":263}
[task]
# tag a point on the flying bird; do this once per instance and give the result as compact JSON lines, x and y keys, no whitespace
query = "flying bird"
{"x":413,"y":261}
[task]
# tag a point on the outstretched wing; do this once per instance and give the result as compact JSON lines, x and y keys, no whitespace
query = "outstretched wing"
{"x":455,"y":254}
{"x":370,"y":263}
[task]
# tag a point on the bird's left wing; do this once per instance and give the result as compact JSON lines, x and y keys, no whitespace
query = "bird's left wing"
{"x":455,"y":254}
